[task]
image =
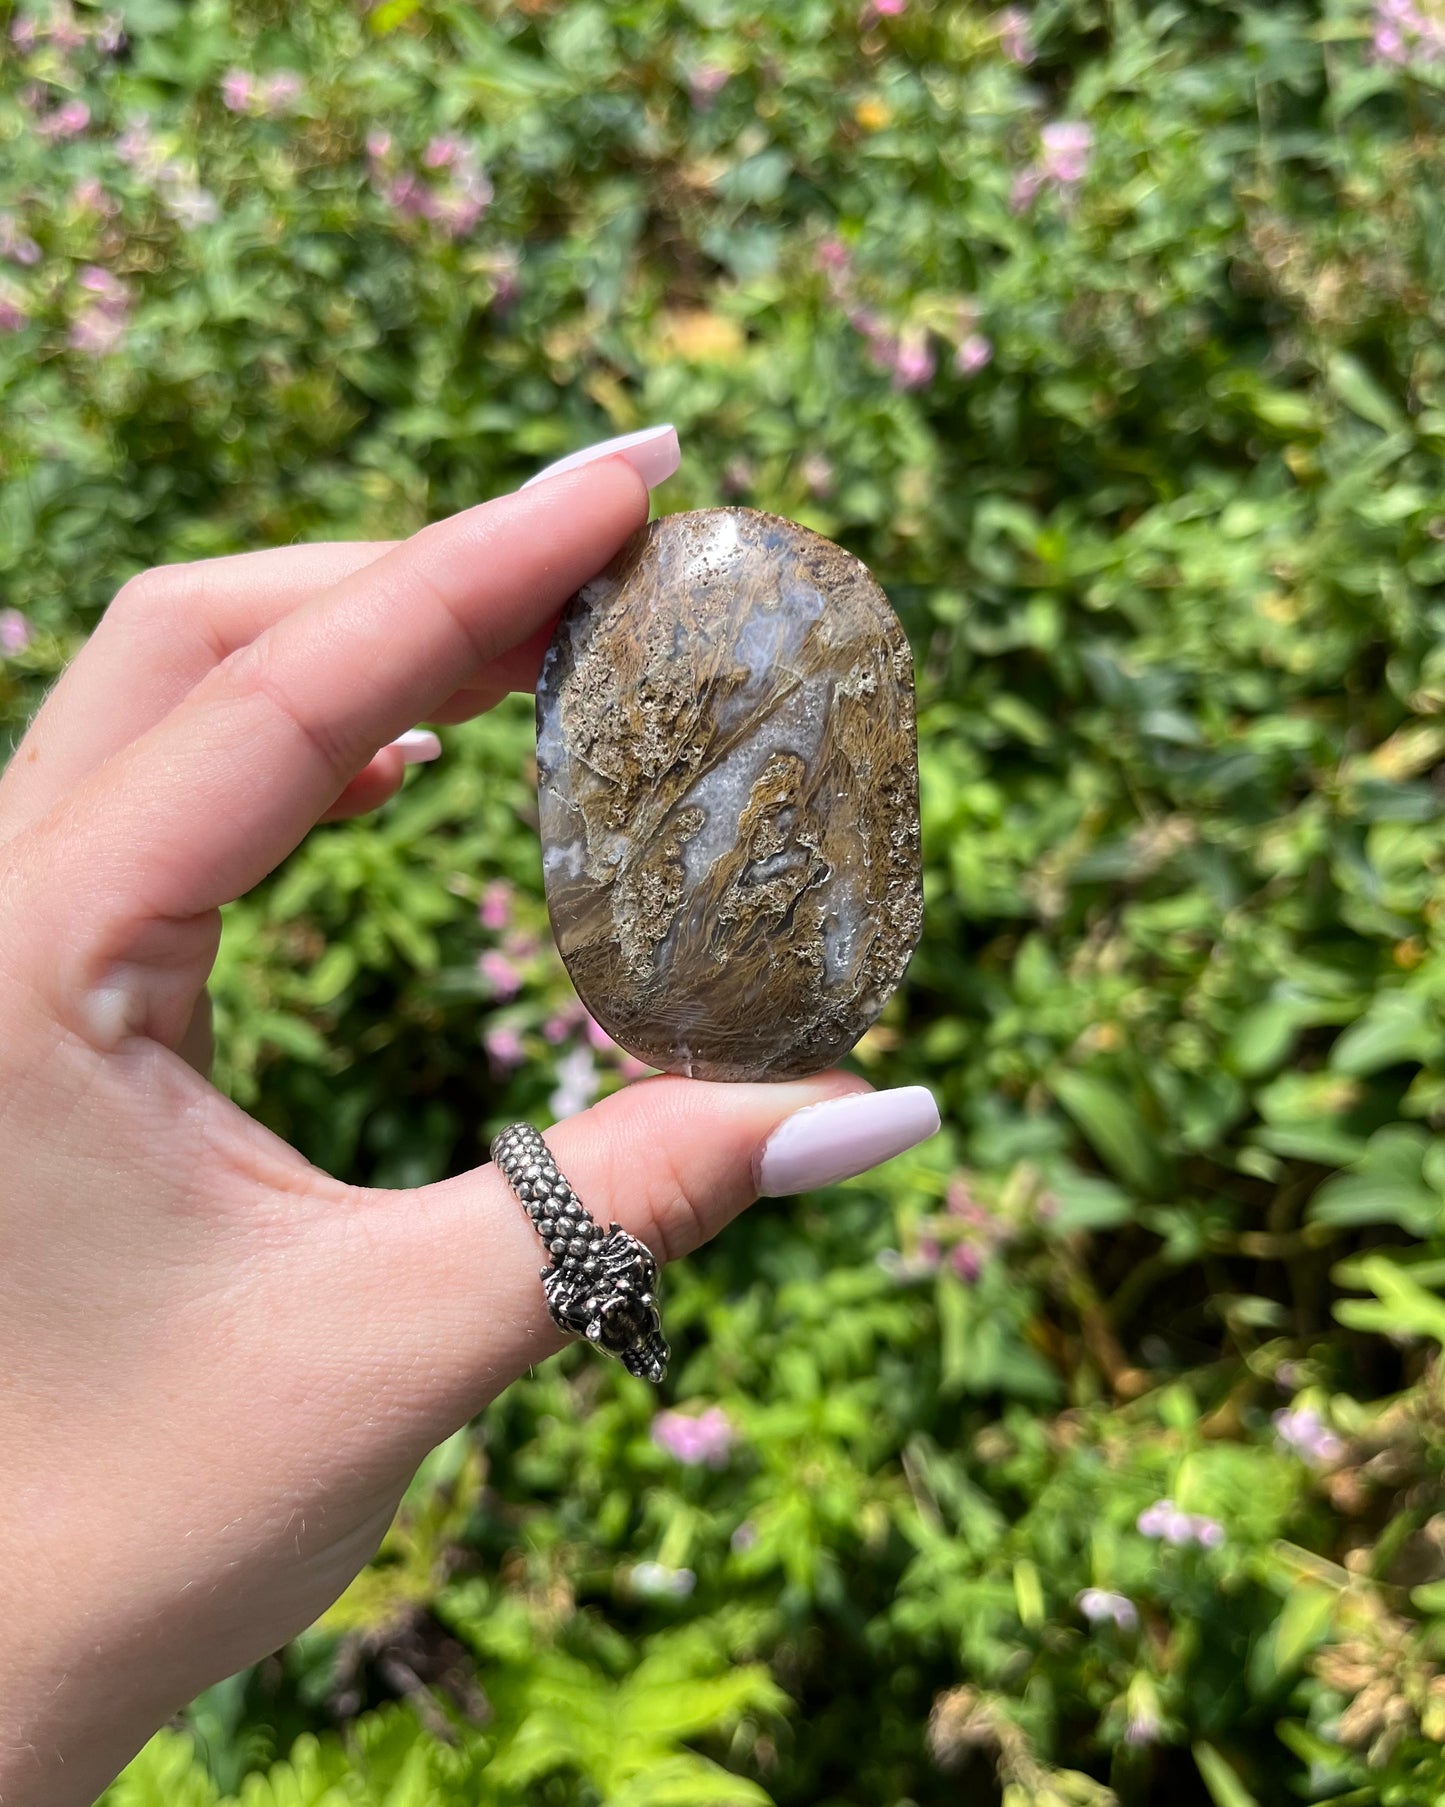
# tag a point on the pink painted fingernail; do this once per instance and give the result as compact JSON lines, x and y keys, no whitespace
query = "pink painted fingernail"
{"x":417,"y":746}
{"x":653,"y":453}
{"x":829,"y":1142}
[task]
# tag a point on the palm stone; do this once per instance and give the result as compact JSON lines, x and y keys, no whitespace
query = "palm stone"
{"x":728,"y":786}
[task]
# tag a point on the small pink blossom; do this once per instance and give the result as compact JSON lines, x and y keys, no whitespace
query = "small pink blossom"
{"x":1301,"y":1429}
{"x":504,"y":1049}
{"x":558,"y":1027}
{"x":12,"y":315}
{"x":111,"y":290}
{"x":139,"y":148}
{"x":15,"y":634}
{"x":500,"y":974}
{"x":238,"y":89}
{"x":707,"y":1438}
{"x":91,"y":196}
{"x":705,"y":83}
{"x":64,"y":30}
{"x":598,"y":1037}
{"x":1164,"y":1520}
{"x":67,"y":121}
{"x":378,"y":145}
{"x":96,"y":331}
{"x":506,"y":266}
{"x":495,"y":910}
{"x":16,"y":245}
{"x":444,"y":152}
{"x":1067,"y":147}
{"x":1015,"y":35}
{"x":23,"y":33}
{"x":881,"y":9}
{"x":1098,"y":1605}
{"x":973,"y":353}
{"x":834,"y":256}
{"x":966,"y":1260}
{"x":110,"y":34}
{"x":914,"y":363}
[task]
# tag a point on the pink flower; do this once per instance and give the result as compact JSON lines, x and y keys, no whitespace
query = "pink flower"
{"x":12,"y":315}
{"x":881,"y":9}
{"x":506,"y":266}
{"x":966,"y":1260}
{"x":407,"y":195}
{"x":834,"y":256}
{"x":96,"y":331}
{"x":598,"y":1036}
{"x":64,"y":31}
{"x":443,"y":152}
{"x":111,"y":290}
{"x":238,"y":89}
{"x":90,"y":196}
{"x":1301,"y":1429}
{"x":378,"y":146}
{"x":913,"y":363}
{"x":705,"y":83}
{"x":557,"y":1028}
{"x":504,"y":1049}
{"x":495,"y":910}
{"x":67,"y":121}
{"x":15,"y":633}
{"x":973,"y":353}
{"x":16,"y":245}
{"x":139,"y":148}
{"x":1164,"y":1520}
{"x":1015,"y":35}
{"x":708,"y":1437}
{"x":1067,"y":147}
{"x":1097,"y":1604}
{"x":23,"y":33}
{"x":110,"y":34}
{"x":500,"y":974}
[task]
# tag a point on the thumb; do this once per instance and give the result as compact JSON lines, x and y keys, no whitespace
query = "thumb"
{"x":456,"y":1310}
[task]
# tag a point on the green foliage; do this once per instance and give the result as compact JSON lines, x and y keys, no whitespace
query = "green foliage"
{"x":1143,"y":432}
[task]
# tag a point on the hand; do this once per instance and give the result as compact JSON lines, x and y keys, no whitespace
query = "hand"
{"x":221,"y":1366}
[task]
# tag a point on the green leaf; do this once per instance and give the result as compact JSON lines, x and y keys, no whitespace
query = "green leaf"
{"x":1113,"y":1127}
{"x":1225,"y":1787}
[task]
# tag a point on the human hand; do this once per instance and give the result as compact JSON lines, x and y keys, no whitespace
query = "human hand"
{"x":221,"y":1365}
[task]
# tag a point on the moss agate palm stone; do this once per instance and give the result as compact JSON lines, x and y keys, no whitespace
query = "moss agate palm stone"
{"x":728,"y":778}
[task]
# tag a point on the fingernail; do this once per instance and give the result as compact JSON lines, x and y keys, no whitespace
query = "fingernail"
{"x":417,"y":746}
{"x":653,"y":453}
{"x":829,"y":1142}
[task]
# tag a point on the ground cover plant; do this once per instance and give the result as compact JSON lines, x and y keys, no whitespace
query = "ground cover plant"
{"x":1093,"y":1452}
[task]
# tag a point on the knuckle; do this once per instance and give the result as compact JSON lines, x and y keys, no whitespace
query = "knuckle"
{"x":669,"y":1219}
{"x":149,"y":596}
{"x":254,"y":673}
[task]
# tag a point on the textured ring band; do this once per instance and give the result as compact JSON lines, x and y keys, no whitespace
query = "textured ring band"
{"x":600,"y":1284}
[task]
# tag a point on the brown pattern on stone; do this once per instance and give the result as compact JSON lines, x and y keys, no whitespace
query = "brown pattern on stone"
{"x":728,"y":784}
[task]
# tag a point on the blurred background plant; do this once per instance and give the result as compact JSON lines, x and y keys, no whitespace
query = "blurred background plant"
{"x":1092,"y":1453}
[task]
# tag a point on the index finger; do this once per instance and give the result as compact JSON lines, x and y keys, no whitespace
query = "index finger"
{"x":199,"y":809}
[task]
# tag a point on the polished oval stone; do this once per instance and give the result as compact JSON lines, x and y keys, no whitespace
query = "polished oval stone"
{"x":728,"y":787}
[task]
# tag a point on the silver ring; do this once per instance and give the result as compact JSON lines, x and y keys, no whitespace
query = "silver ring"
{"x":600,"y":1284}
